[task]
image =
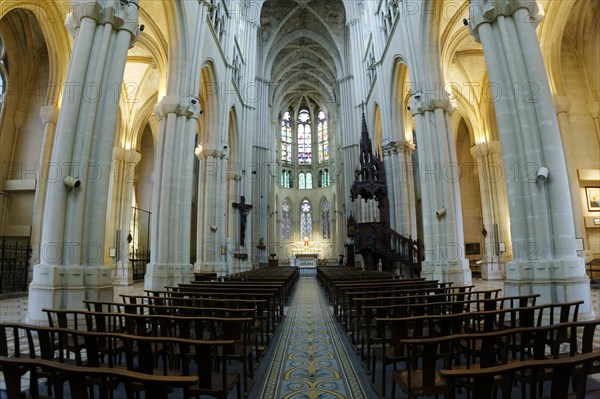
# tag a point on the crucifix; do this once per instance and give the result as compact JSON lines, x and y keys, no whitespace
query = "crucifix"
{"x":244,"y":209}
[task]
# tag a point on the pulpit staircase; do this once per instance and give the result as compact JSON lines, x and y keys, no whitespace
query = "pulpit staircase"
{"x":399,"y":254}
{"x":376,"y":241}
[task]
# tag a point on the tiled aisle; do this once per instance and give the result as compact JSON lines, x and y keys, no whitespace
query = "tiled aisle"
{"x":308,"y":347}
{"x":310,"y":359}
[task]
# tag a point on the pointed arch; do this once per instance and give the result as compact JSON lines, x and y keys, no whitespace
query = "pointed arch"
{"x":286,"y":219}
{"x":306,"y":219}
{"x":325,"y":208}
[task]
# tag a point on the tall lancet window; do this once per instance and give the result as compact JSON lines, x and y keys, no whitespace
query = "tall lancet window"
{"x":286,"y":220}
{"x":304,"y":138}
{"x":286,"y":179}
{"x":325,"y":223}
{"x":3,"y":72}
{"x":309,"y":181}
{"x":323,"y":133}
{"x":305,"y":219}
{"x":286,"y":138}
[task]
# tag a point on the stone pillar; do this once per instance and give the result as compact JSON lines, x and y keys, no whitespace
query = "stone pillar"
{"x":212,"y":203}
{"x":594,"y":110}
{"x":442,"y":211}
{"x":119,"y":212}
{"x":398,"y":163}
{"x":563,"y":106}
{"x":494,"y":208}
{"x":389,"y":151}
{"x":49,"y":115}
{"x":172,"y":197}
{"x":233,"y":180}
{"x":71,"y":266}
{"x":541,"y":214}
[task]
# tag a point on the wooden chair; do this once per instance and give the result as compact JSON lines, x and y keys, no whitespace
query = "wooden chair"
{"x":154,"y":387}
{"x":562,"y":370}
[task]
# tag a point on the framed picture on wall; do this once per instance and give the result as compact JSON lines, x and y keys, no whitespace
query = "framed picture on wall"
{"x":592,"y":196}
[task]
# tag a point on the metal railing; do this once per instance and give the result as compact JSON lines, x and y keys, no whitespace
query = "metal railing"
{"x":138,"y":259}
{"x":14,"y":261}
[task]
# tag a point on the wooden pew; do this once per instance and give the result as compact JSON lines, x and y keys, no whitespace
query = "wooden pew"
{"x":393,"y":332}
{"x":154,"y":386}
{"x":155,"y":355}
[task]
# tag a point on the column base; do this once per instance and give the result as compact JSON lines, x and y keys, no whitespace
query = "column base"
{"x":98,"y":283}
{"x":557,"y":281}
{"x":161,"y":275}
{"x":123,"y":274}
{"x":60,"y":287}
{"x":217,"y":267}
{"x":457,"y":272}
{"x":492,"y":271}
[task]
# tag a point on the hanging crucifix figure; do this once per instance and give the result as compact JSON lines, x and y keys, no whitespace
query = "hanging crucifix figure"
{"x":244,"y":209}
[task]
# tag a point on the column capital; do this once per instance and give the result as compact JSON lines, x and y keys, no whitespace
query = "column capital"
{"x":121,"y":15}
{"x":181,"y":106}
{"x":420,"y":103}
{"x":594,"y":109}
{"x":122,"y":154}
{"x":488,"y":11}
{"x":407,"y":147}
{"x":390,"y":148}
{"x":233,"y":175}
{"x":49,"y":114}
{"x":208,"y":151}
{"x":562,"y":104}
{"x":487,"y":148}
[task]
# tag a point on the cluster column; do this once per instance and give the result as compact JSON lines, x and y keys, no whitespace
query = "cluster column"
{"x":213,"y":205}
{"x":399,"y":171}
{"x":72,"y":251}
{"x":541,"y":214}
{"x":439,"y":177}
{"x":172,"y":196}
{"x":119,"y":214}
{"x":494,"y":208}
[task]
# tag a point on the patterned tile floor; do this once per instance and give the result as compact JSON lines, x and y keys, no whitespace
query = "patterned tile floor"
{"x":299,"y":363}
{"x":310,"y":359}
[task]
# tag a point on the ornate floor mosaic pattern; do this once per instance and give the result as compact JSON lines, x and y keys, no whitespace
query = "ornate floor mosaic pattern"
{"x":310,"y":362}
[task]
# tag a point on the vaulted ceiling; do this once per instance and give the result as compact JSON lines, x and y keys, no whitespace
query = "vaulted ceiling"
{"x":301,"y":46}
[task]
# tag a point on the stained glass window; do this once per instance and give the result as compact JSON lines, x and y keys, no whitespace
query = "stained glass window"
{"x":325,"y":222}
{"x":286,"y":221}
{"x":323,"y":135}
{"x":324,"y":178}
{"x":309,"y":181}
{"x":301,"y":181}
{"x":305,"y":219}
{"x":286,"y":138}
{"x":304,"y":138}
{"x":286,"y":178}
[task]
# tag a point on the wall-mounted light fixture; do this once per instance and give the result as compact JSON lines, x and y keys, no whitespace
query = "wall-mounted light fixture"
{"x":72,"y":182}
{"x":440,"y":213}
{"x":542,"y":174}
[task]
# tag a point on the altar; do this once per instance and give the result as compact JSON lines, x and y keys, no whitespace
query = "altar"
{"x":305,"y":258}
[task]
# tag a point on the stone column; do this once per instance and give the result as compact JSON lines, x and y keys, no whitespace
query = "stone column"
{"x":594,"y":110}
{"x":541,"y":214}
{"x":172,"y":196}
{"x":409,"y":213}
{"x":211,"y":205}
{"x":71,"y":266}
{"x":442,"y":211}
{"x":49,"y":115}
{"x":563,"y":106}
{"x":119,"y":214}
{"x":233,"y":180}
{"x":494,"y":208}
{"x":389,"y":152}
{"x":398,"y":164}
